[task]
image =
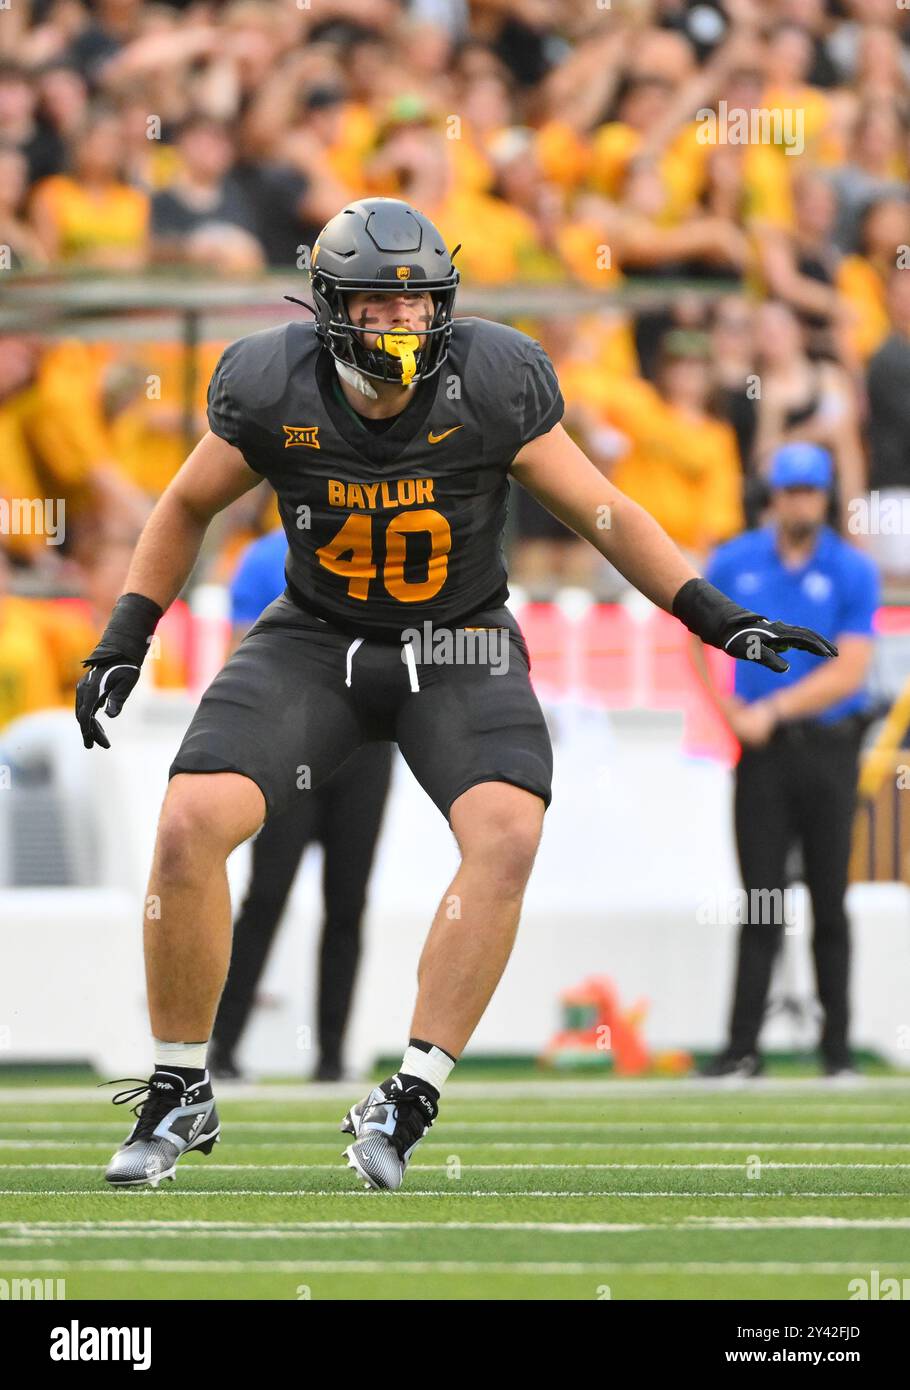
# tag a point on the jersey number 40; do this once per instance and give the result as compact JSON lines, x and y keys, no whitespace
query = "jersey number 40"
{"x":355,"y":540}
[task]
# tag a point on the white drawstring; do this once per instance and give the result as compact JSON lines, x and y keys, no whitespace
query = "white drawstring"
{"x":412,"y":667}
{"x":408,"y":656}
{"x":351,"y":650}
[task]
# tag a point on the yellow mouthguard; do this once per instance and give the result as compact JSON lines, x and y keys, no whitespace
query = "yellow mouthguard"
{"x":403,"y":345}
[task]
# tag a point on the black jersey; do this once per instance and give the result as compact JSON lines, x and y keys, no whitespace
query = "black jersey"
{"x":388,"y":530}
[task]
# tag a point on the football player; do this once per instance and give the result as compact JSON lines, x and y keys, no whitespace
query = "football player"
{"x":388,"y":430}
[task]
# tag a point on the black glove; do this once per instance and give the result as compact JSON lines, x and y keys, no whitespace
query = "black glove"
{"x":114,"y":664}
{"x":750,"y":637}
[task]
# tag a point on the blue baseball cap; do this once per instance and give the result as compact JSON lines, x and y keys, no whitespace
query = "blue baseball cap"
{"x":801,"y":465}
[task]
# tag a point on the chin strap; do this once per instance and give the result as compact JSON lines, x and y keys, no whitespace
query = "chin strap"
{"x":356,"y":379}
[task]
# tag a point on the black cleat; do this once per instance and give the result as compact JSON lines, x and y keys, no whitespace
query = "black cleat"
{"x":173,"y":1119}
{"x":840,"y":1071}
{"x":387,"y":1127}
{"x":742,"y":1066}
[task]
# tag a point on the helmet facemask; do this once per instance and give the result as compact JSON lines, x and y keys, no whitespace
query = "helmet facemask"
{"x":396,"y":357}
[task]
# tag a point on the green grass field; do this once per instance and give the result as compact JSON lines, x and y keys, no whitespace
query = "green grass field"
{"x":537,"y":1190}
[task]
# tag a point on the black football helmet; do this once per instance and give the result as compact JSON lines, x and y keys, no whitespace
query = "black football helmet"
{"x":381,"y":244}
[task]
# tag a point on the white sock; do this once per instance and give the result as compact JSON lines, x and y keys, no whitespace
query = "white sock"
{"x":433,"y":1066}
{"x":171,"y":1054}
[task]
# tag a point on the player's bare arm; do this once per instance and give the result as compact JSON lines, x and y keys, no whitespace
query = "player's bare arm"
{"x":567,"y":483}
{"x":214,"y":475}
{"x":561,"y":476}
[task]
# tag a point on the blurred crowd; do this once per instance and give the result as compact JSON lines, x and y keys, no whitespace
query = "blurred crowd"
{"x":756,"y":289}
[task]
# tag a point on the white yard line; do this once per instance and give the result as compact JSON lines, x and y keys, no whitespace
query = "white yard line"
{"x":78,"y":1229}
{"x":796,"y":1223}
{"x":98,"y":1230}
{"x":503,"y":1090}
{"x":171,"y":1190}
{"x":331,"y":1126}
{"x":438,"y":1143}
{"x":304,"y":1267}
{"x":467,"y":1167}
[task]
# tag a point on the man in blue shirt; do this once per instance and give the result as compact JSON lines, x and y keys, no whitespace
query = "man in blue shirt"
{"x":800,"y":733}
{"x":345,"y":816}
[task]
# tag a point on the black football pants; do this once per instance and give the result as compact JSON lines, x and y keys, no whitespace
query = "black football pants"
{"x":801,"y":786}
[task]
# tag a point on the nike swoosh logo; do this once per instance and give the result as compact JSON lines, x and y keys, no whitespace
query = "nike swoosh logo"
{"x":435,"y":438}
